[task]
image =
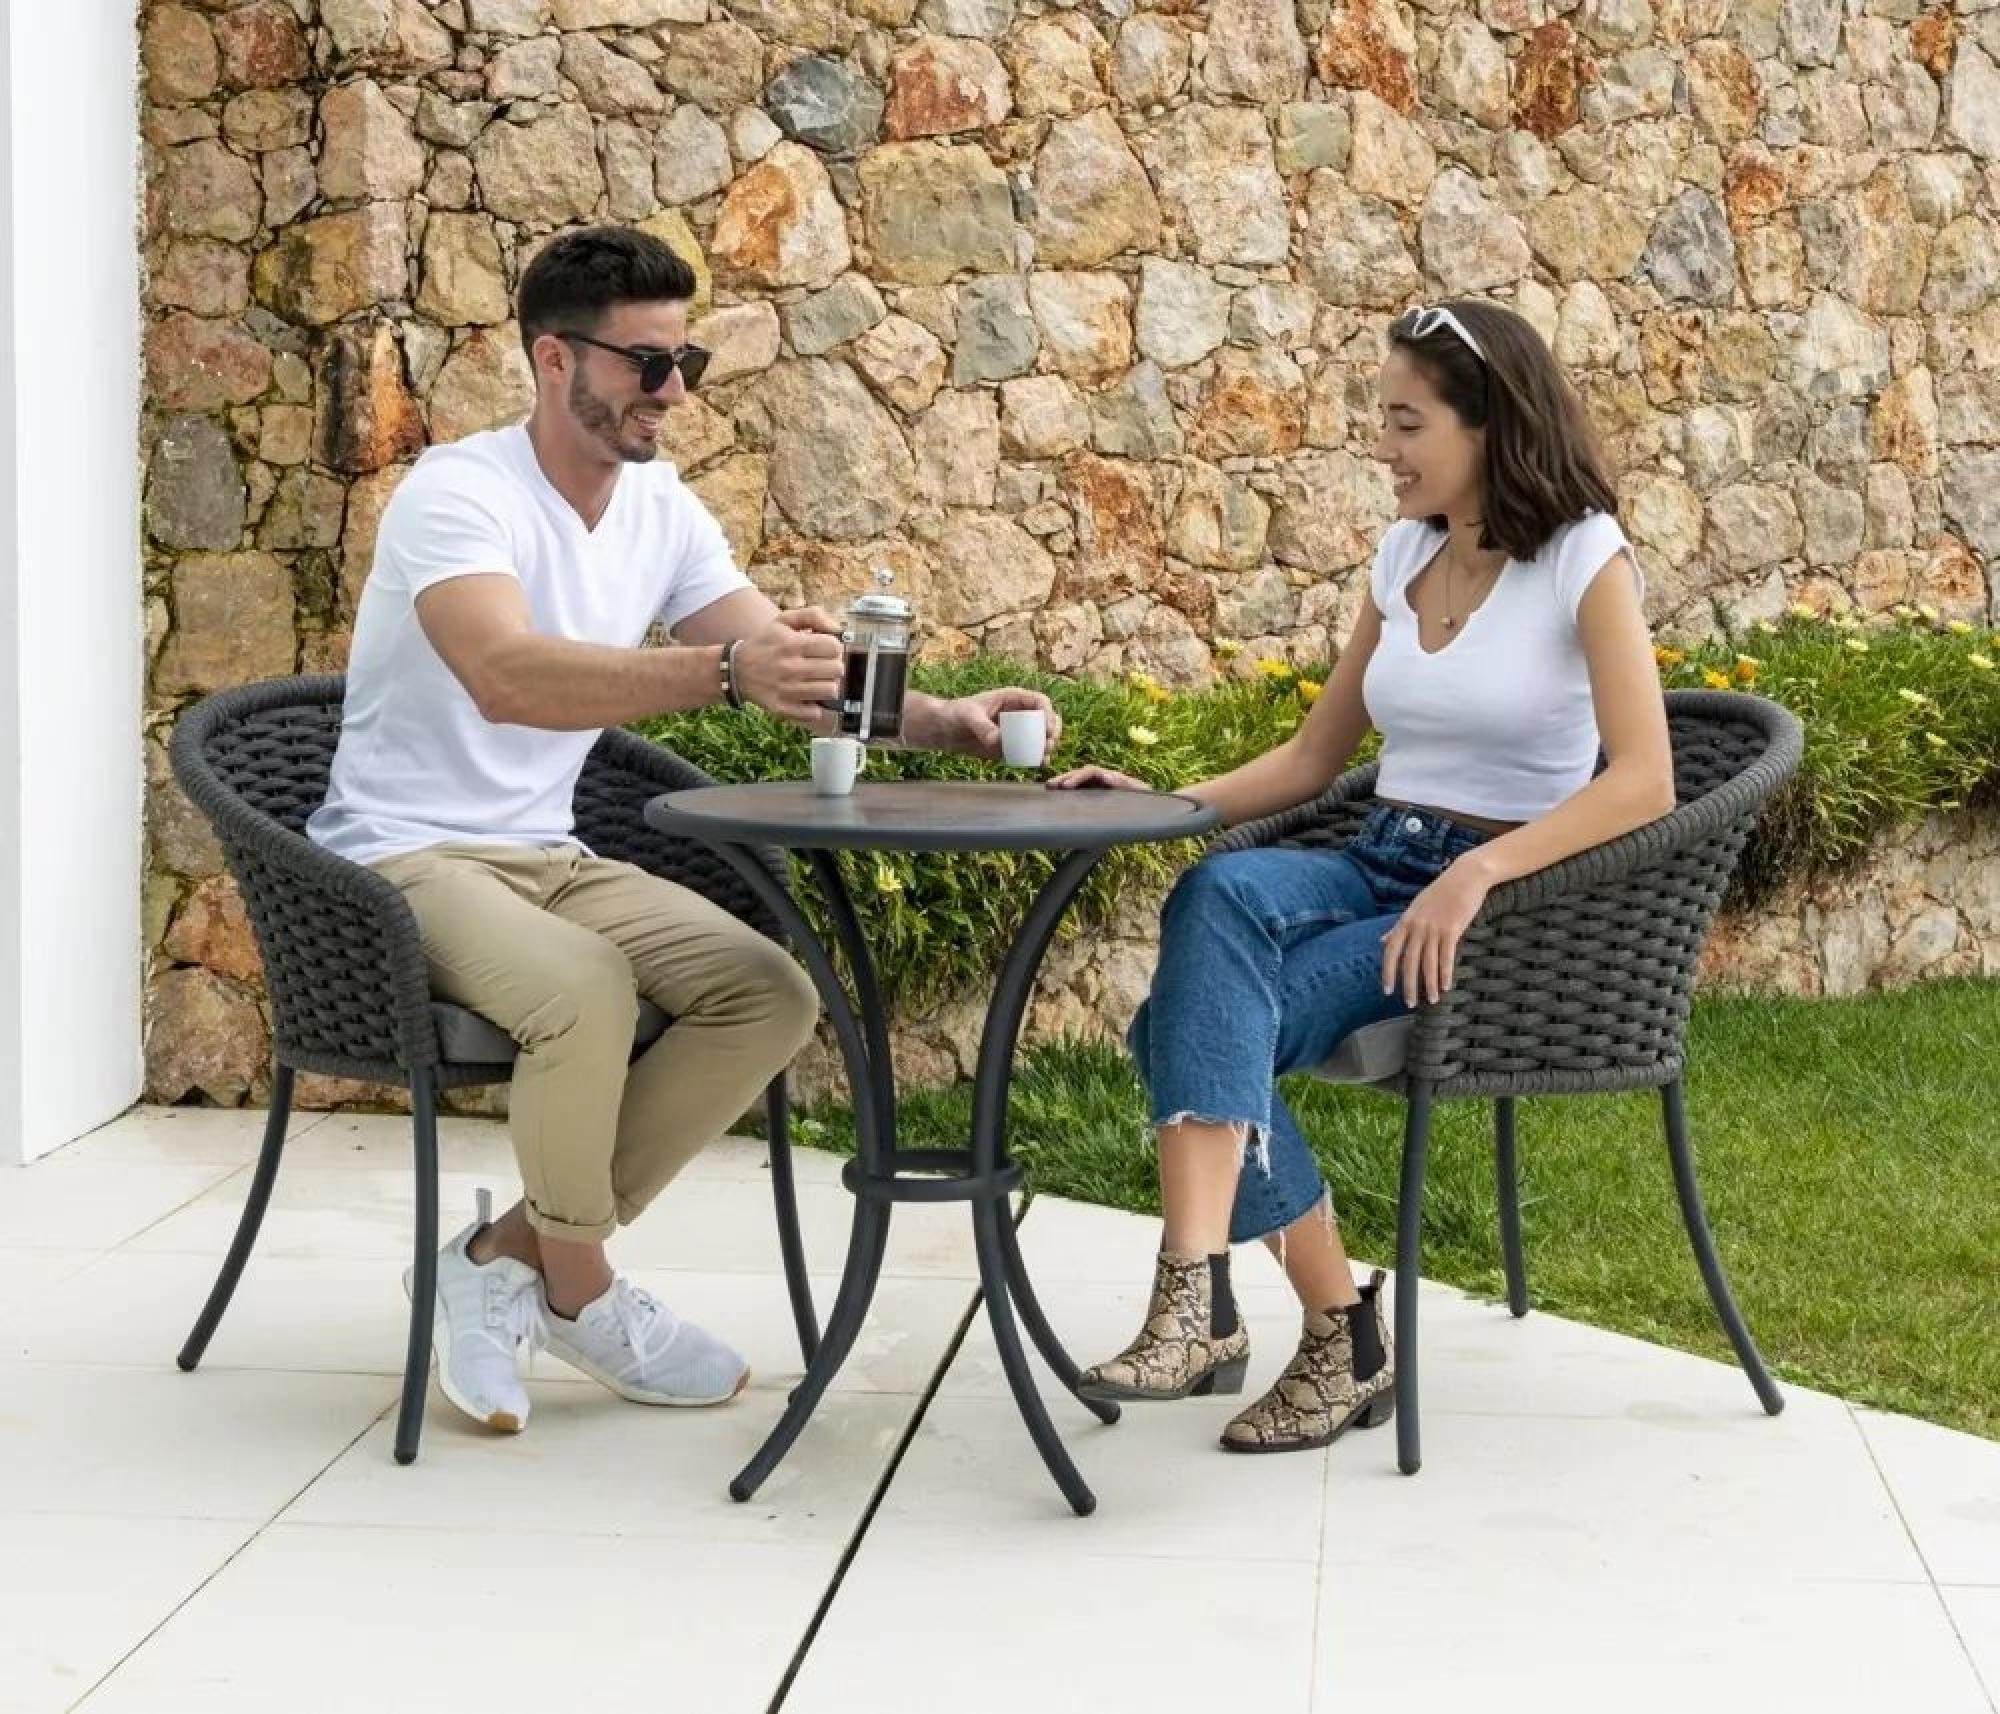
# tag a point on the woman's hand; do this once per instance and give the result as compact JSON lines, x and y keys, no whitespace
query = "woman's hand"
{"x":1419,"y":952}
{"x":1078,"y":777}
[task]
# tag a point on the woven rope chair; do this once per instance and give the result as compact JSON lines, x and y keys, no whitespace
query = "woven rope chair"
{"x":345,"y":970}
{"x":1572,"y":981}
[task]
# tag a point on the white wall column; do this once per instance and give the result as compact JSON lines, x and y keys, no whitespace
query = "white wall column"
{"x":71,"y":606}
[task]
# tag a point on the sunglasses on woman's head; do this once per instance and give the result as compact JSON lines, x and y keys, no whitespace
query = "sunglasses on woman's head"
{"x":656,"y":368}
{"x":1427,"y":321}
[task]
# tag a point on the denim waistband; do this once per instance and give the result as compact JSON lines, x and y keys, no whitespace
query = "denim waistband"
{"x":1421,"y":832}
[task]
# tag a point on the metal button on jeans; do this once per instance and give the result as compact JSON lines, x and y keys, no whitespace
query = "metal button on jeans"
{"x":1415,"y":824}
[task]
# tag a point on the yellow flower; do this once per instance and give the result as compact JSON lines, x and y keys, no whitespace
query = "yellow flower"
{"x":1226,"y":648}
{"x":1958,"y":628}
{"x":1144,"y":736}
{"x":1929,"y":612}
{"x":1277,"y":670}
{"x":1983,"y":662}
{"x":1667,"y":657}
{"x":1766,"y":628}
{"x":1715,"y":680}
{"x":1934,"y":741}
{"x":1148,"y":686}
{"x":887,"y":881}
{"x":1857,"y":646}
{"x":1915,"y":698}
{"x":1309,"y":689}
{"x":1799,"y":610}
{"x":1746,"y":670}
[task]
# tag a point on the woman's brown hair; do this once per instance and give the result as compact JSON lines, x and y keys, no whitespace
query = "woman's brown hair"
{"x":1543,"y":468}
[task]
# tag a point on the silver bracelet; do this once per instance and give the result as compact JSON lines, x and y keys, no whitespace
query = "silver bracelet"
{"x":730,"y":691}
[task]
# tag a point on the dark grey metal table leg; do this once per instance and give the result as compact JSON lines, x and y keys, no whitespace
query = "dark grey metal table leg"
{"x":1507,"y":1176}
{"x":1409,"y":1247}
{"x":864,"y":1052}
{"x":784,"y":1193}
{"x":1037,"y":1323}
{"x":1696,"y":1221}
{"x":989,"y":1151}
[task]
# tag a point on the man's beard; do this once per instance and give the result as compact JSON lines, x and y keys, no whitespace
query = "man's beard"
{"x":599,"y":419}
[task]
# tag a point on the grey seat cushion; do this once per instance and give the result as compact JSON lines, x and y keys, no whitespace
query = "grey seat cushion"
{"x":1372,"y":1054}
{"x":469,"y":1039}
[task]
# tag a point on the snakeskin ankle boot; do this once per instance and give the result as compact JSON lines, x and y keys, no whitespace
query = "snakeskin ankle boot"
{"x":1342,"y":1376}
{"x":1193,"y":1343}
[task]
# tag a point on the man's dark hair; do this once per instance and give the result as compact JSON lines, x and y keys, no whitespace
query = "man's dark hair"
{"x":1543,"y":467}
{"x":578,"y":278}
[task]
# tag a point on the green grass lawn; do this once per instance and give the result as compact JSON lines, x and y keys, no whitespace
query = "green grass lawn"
{"x":1848,"y":1151}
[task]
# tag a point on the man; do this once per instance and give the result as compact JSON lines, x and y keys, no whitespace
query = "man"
{"x":516,"y":573}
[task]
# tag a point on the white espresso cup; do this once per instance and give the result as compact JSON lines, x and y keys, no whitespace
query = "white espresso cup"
{"x":1024,"y":737}
{"x":835,"y":763}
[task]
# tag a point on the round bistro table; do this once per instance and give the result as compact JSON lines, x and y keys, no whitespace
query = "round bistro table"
{"x":925,"y":815}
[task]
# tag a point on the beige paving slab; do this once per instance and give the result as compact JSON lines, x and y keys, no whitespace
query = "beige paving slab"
{"x":1975,"y":1614}
{"x":323,"y":1619}
{"x":72,"y":1202}
{"x":1947,"y":1487}
{"x":984,"y":1630}
{"x":79,"y":1592}
{"x":1543,"y":1642}
{"x":147,"y":1443}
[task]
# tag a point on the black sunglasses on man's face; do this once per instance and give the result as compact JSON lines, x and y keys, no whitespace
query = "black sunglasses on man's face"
{"x":656,"y":368}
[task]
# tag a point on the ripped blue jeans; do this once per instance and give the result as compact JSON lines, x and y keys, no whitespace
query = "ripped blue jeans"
{"x":1267,"y":959}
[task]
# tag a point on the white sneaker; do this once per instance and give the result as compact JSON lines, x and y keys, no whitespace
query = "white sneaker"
{"x":484,"y":1311}
{"x":632,"y":1343}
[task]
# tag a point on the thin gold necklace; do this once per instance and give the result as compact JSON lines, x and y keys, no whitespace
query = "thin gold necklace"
{"x":1450,"y":565}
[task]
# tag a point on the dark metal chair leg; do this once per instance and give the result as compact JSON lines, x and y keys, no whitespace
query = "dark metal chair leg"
{"x":988,"y":1215}
{"x":247,"y":1225}
{"x":1409,"y":1243}
{"x":423,"y":1276}
{"x":1507,"y":1172}
{"x":1696,"y":1221}
{"x":1037,"y":1322}
{"x":791,"y":1246}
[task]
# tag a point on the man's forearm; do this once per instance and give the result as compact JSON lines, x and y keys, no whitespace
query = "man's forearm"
{"x":564,"y":686}
{"x":927,"y":723}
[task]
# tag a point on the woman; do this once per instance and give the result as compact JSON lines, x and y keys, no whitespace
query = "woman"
{"x":1503,"y":644}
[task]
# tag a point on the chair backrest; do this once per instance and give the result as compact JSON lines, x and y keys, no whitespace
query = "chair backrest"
{"x":265,"y":748}
{"x":1581,"y":977}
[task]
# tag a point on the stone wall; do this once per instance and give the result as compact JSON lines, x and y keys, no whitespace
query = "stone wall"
{"x":1069,"y":313}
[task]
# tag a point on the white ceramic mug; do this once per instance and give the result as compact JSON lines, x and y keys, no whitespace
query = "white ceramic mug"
{"x":835,"y":763}
{"x":1024,"y":737}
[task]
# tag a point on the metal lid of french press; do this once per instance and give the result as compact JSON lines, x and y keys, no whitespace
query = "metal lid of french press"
{"x":880,"y":603}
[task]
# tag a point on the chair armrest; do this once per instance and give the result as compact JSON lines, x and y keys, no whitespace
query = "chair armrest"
{"x":622,"y":775}
{"x":1581,"y":975}
{"x":1325,"y":822}
{"x":344,"y":965}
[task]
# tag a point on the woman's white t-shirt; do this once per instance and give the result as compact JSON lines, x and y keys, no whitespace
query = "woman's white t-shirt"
{"x":417,"y":763}
{"x":1498,"y":723}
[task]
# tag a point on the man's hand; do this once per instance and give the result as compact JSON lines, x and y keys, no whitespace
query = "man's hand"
{"x":970,"y":725}
{"x":792,"y":665}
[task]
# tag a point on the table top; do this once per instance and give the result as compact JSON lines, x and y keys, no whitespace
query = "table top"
{"x":927,"y":815}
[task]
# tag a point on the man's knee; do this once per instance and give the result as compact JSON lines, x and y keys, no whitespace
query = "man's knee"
{"x":597,"y":991}
{"x":793,"y":1001}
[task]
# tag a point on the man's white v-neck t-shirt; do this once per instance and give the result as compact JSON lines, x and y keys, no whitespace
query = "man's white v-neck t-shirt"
{"x":417,"y":763}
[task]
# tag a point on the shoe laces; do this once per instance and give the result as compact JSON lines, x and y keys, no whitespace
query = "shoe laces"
{"x":513,"y":1309}
{"x":643,"y":1320}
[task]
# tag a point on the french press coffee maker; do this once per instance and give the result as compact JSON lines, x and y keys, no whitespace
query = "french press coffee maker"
{"x":875,"y":664}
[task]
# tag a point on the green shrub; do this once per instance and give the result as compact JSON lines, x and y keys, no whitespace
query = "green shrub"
{"x":1900,"y":719}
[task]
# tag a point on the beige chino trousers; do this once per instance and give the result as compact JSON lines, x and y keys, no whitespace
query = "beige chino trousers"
{"x":557,"y":947}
